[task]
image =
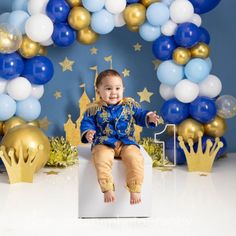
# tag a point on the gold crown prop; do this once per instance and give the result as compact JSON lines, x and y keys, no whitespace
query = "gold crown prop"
{"x":199,"y":161}
{"x":20,"y":168}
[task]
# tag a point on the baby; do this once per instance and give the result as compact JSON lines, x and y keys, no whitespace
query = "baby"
{"x":109,"y":125}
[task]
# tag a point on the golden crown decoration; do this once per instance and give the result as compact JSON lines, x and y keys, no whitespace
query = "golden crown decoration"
{"x":200,"y":161}
{"x":20,"y":168}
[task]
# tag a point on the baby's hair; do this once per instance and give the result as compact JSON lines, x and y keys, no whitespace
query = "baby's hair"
{"x":104,"y":74}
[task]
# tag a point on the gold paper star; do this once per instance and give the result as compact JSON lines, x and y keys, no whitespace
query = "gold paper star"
{"x":44,"y":123}
{"x":137,"y":47}
{"x":93,"y":50}
{"x":145,"y":95}
{"x":66,"y":64}
{"x":125,"y":72}
{"x":51,"y":172}
{"x":156,"y":63}
{"x":57,"y":94}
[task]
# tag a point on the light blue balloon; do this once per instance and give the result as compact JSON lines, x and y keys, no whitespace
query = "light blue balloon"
{"x":7,"y":107}
{"x":4,"y":17}
{"x":18,"y":19}
{"x":149,"y":32}
{"x":157,"y":14}
{"x":209,"y":62}
{"x":197,"y":70}
{"x":28,"y":109}
{"x":102,"y":22}
{"x":167,"y":2}
{"x":93,"y":5}
{"x":170,"y":73}
{"x":19,"y":5}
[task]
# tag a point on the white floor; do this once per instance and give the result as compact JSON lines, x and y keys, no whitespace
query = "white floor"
{"x":183,"y":204}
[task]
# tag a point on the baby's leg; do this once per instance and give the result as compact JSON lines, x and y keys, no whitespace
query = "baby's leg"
{"x":103,"y":157}
{"x":134,"y":163}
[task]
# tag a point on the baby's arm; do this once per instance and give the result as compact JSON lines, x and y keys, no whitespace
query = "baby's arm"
{"x":87,"y":128}
{"x":154,"y":118}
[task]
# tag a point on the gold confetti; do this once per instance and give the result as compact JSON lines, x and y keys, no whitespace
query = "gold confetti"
{"x":51,"y":172}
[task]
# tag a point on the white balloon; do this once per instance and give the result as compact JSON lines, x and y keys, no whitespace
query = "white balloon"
{"x":186,"y":91}
{"x":3,"y":85}
{"x":37,"y":6}
{"x":37,"y":91}
{"x":115,"y":6}
{"x":196,"y":19}
{"x":47,"y":42}
{"x":19,"y":88}
{"x":181,"y":11}
{"x":39,"y":27}
{"x":119,"y":20}
{"x":166,"y":91}
{"x":210,"y":87}
{"x":169,"y":28}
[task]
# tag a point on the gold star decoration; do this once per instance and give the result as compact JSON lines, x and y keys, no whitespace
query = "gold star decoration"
{"x":57,"y":94}
{"x":156,"y":63}
{"x":51,"y":172}
{"x":137,"y":47}
{"x":125,"y":72}
{"x":66,"y":64}
{"x":93,"y":50}
{"x":145,"y":95}
{"x":44,"y":123}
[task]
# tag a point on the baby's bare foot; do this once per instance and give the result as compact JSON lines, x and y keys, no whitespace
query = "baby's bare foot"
{"x":135,"y":198}
{"x":109,"y":196}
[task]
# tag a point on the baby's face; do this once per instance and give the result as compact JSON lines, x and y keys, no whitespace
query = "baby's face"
{"x":111,"y":90}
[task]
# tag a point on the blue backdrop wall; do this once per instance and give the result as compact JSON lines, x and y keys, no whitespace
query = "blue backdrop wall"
{"x":63,"y":92}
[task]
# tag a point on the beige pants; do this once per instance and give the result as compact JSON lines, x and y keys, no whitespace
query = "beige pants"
{"x":132,"y":158}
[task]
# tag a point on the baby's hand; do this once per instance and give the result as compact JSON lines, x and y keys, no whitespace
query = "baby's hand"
{"x":89,"y":135}
{"x":153,"y":117}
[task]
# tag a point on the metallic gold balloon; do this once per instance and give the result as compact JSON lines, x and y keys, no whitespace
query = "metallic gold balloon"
{"x":34,"y":123}
{"x":181,"y":56}
{"x":216,"y":128}
{"x":79,"y":18}
{"x":10,"y":38}
{"x":146,"y":3}
{"x":1,"y":127}
{"x":74,"y":3}
{"x":30,"y":137}
{"x":189,"y":128}
{"x":134,"y":14}
{"x":28,"y":48}
{"x":87,"y":36}
{"x":200,"y":50}
{"x":134,"y":28}
{"x":12,"y":122}
{"x":170,"y":130}
{"x":42,"y":51}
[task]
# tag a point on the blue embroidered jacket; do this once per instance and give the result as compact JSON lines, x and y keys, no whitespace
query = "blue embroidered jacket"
{"x":113,"y":122}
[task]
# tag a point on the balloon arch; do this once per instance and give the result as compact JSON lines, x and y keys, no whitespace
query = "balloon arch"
{"x":190,"y":92}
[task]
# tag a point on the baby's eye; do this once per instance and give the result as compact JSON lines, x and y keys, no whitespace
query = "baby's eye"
{"x":108,"y":88}
{"x":117,"y":88}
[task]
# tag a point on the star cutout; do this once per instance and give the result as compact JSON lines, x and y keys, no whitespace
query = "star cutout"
{"x":137,"y":47}
{"x":66,"y":64}
{"x":125,"y":72}
{"x":51,"y":172}
{"x":57,"y":94}
{"x":145,"y":95}
{"x":44,"y":123}
{"x":93,"y":50}
{"x":156,"y":63}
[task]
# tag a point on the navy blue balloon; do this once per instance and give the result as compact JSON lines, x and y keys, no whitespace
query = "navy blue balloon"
{"x":163,"y":47}
{"x":11,"y":65}
{"x":180,"y":156}
{"x":58,"y":10}
{"x":204,"y":35}
{"x":203,"y":6}
{"x":203,"y":109}
{"x":63,"y":35}
{"x":173,"y":111}
{"x":38,"y":70}
{"x":187,"y":35}
{"x":132,"y":1}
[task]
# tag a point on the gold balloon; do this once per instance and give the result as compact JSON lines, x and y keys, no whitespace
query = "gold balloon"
{"x":42,"y":51}
{"x":181,"y":56}
{"x":10,"y":38}
{"x":79,"y":18}
{"x":87,"y":36}
{"x":34,"y":123}
{"x":74,"y":3}
{"x":200,"y":50}
{"x":170,"y":130}
{"x":29,"y":137}
{"x":28,"y":48}
{"x":146,"y":3}
{"x":189,"y":128}
{"x":134,"y":14}
{"x":1,"y":127}
{"x":134,"y":28}
{"x":12,"y":122}
{"x":216,"y":128}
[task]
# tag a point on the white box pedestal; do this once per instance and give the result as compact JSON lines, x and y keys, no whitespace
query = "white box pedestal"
{"x":91,"y":203}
